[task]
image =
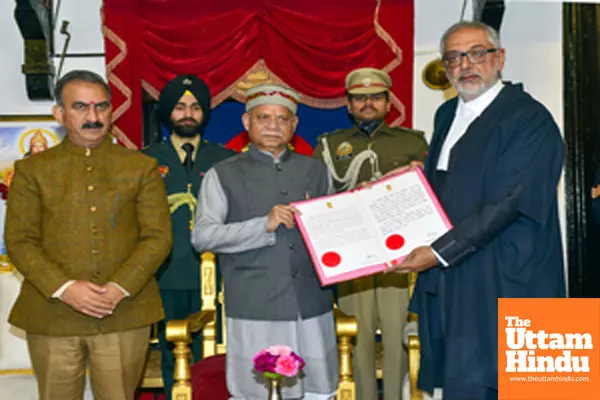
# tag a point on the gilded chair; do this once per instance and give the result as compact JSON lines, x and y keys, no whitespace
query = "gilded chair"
{"x":179,"y":333}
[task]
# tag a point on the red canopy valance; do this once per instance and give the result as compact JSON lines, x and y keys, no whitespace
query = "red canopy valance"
{"x":309,"y":45}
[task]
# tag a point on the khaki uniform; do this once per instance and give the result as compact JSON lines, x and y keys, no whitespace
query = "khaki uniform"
{"x":378,"y":301}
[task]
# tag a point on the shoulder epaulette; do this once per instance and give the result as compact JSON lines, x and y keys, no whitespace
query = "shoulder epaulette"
{"x":204,"y":141}
{"x":332,"y":133}
{"x":403,"y":129}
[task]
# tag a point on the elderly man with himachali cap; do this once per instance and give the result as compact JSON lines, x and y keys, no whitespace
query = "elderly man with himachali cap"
{"x":363,"y":153}
{"x":272,"y":293}
{"x":184,"y":107}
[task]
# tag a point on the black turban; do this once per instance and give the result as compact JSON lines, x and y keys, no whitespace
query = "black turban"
{"x":175,"y":89}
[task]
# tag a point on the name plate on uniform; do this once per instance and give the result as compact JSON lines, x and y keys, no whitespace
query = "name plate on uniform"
{"x":366,"y":231}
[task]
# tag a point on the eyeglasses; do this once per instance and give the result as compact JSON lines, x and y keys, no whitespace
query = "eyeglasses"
{"x":475,"y":56}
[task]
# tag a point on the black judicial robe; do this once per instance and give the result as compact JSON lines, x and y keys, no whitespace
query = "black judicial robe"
{"x":500,"y":192}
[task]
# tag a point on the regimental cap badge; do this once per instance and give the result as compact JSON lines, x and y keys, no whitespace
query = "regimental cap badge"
{"x":187,"y":82}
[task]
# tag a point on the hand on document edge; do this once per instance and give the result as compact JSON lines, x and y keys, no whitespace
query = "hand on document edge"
{"x":420,"y":259}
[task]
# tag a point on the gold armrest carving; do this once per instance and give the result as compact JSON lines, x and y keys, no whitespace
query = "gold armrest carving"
{"x":346,"y":328}
{"x":414,"y":355}
{"x":199,"y":320}
{"x":178,"y":332}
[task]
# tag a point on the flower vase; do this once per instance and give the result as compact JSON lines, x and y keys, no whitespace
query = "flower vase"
{"x":274,"y":389}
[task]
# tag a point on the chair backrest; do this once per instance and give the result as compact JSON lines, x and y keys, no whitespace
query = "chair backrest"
{"x":213,"y":300}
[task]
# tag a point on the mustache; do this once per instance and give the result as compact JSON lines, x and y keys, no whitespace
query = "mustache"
{"x":272,"y":132}
{"x":464,"y":74}
{"x":92,"y":125}
{"x":365,"y":108}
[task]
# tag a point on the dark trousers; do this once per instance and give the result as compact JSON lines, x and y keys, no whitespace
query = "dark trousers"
{"x":178,"y":304}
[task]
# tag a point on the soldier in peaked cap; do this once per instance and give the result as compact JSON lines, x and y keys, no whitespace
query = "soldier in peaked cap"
{"x":362,"y":153}
{"x":184,"y":108}
{"x":272,"y":293}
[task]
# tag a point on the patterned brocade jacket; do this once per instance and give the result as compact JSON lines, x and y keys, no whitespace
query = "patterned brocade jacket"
{"x":99,"y":215}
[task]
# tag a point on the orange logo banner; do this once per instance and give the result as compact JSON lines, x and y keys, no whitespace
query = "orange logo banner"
{"x":548,"y":349}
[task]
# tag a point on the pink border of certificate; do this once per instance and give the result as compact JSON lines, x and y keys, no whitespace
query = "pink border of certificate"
{"x":372,"y":269}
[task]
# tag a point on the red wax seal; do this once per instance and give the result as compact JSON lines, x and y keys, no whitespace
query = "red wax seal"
{"x":331,"y":259}
{"x":394,"y":242}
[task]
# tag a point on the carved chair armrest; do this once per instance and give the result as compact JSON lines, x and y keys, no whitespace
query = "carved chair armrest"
{"x":179,"y":332}
{"x":411,"y":338}
{"x":414,"y":360}
{"x":346,"y":328}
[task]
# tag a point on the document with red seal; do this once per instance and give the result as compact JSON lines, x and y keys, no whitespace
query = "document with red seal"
{"x":354,"y":234}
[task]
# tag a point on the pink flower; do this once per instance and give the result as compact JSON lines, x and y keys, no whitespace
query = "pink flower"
{"x":286,"y":365}
{"x":299,"y":360}
{"x":278,"y":361}
{"x":279,"y":350}
{"x":264,"y":362}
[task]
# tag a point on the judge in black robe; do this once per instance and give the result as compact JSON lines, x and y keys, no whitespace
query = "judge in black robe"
{"x":500,"y":193}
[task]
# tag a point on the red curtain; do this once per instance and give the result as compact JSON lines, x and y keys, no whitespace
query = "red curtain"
{"x":309,"y":45}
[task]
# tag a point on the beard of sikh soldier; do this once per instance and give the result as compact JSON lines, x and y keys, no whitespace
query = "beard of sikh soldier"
{"x":187,"y":116}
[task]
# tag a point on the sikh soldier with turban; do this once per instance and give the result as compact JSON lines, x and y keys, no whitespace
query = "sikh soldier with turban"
{"x":363,"y":153}
{"x":184,"y":108}
{"x":272,"y":293}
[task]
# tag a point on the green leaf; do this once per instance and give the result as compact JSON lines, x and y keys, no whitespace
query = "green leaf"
{"x":273,"y":375}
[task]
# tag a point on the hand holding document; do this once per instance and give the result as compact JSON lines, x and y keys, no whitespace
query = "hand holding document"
{"x":363,"y":232}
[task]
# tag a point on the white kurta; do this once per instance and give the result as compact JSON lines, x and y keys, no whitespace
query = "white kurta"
{"x":313,"y":339}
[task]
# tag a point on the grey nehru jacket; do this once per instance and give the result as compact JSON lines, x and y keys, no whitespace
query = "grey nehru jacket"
{"x":268,"y":276}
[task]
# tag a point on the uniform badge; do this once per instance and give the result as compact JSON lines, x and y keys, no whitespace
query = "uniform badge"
{"x":343,"y":151}
{"x":164,"y":170}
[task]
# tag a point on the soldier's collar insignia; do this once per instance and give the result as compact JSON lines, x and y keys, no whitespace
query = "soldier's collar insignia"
{"x":164,"y":170}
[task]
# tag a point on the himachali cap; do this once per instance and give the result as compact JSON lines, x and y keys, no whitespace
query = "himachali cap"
{"x":272,"y":94}
{"x":368,"y":81}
